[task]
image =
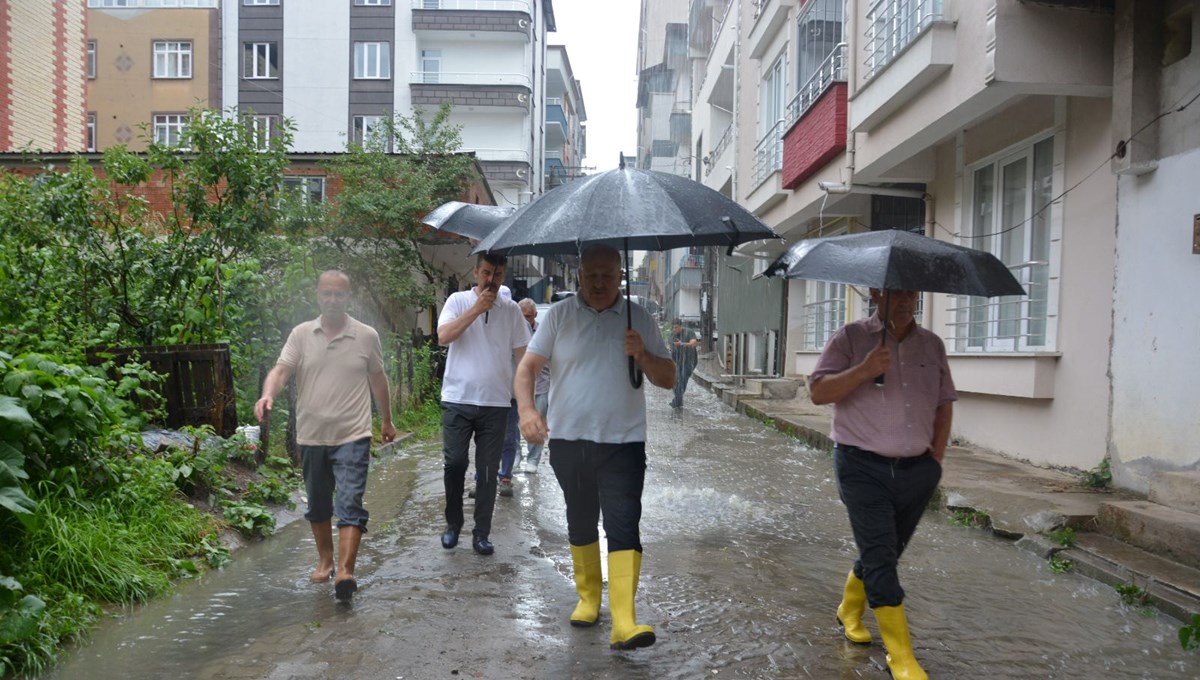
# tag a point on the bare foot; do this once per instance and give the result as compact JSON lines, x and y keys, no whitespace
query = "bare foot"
{"x":321,"y":574}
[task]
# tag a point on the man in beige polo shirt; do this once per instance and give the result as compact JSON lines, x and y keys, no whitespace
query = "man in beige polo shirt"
{"x":338,"y":363}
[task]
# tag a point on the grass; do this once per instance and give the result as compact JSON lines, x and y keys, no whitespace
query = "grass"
{"x":1061,"y":565}
{"x":1064,"y":537}
{"x":965,"y":517}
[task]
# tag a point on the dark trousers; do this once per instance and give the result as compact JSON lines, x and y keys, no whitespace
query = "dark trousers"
{"x":601,"y":478}
{"x":884,"y":498}
{"x":459,"y":423}
{"x":683,"y":373}
{"x":511,"y":433}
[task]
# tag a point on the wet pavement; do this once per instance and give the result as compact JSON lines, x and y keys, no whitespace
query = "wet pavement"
{"x":746,"y":550}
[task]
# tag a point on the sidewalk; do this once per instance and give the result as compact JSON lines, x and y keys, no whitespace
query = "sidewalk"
{"x":1161,"y":548}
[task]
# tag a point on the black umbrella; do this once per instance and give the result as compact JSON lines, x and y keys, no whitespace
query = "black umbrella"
{"x":467,"y":219}
{"x":897,"y":260}
{"x":627,"y":209}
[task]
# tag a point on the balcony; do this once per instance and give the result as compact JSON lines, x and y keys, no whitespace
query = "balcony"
{"x":490,"y":90}
{"x":556,"y":123}
{"x":893,"y":26}
{"x":768,"y":154}
{"x":832,"y":70}
{"x":499,"y":17}
{"x":716,"y":161}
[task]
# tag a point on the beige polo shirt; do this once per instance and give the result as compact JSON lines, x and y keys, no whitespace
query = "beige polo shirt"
{"x":333,"y":405}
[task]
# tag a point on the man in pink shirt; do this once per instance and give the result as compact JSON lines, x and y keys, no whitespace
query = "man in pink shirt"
{"x":890,"y":440}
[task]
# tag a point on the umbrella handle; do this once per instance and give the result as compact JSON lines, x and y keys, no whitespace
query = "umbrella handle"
{"x":887,"y":304}
{"x":635,"y":374}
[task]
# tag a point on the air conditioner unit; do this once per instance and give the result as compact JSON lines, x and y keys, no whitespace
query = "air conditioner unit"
{"x":522,"y":98}
{"x":523,"y":23}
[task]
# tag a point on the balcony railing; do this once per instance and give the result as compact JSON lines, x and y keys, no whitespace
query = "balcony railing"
{"x":484,"y":5}
{"x":151,"y":4}
{"x":501,"y":155}
{"x":553,"y":101}
{"x":893,"y":25}
{"x":555,"y":114}
{"x":1009,"y":323}
{"x":554,"y":155}
{"x":768,"y":155}
{"x":460,"y":78}
{"x":722,"y":144}
{"x":832,"y":70}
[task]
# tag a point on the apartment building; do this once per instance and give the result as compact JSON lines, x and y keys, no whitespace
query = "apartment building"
{"x":676,"y":278}
{"x":148,"y":62}
{"x":565,"y":115}
{"x":991,"y":124}
{"x":43,"y":70}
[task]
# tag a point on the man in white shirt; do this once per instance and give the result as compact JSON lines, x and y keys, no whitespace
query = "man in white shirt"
{"x":484,"y":332}
{"x":598,"y":423}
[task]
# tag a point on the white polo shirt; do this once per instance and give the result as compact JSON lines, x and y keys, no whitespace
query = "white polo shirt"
{"x":479,"y":363}
{"x":590,"y":395}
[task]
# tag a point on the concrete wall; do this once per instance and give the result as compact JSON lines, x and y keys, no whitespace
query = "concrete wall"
{"x":316,"y":74}
{"x":1068,"y":427}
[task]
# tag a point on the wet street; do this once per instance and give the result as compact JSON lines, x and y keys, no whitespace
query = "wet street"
{"x":746,"y":549}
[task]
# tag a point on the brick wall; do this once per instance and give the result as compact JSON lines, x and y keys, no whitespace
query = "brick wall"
{"x":449,"y":20}
{"x":42,"y":60}
{"x":817,"y":138}
{"x":428,"y":94}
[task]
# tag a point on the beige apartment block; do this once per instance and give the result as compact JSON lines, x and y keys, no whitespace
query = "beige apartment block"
{"x":149,"y":66}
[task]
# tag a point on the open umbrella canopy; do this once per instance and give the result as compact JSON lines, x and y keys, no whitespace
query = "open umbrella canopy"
{"x":626,"y":208}
{"x":897,"y":260}
{"x":467,"y":219}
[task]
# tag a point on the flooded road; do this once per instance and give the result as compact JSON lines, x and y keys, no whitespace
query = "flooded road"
{"x":746,"y":549}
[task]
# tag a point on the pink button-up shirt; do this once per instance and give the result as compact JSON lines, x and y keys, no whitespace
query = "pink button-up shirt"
{"x":897,"y":418}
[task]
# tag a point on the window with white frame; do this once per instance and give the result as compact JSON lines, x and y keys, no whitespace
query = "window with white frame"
{"x":431,"y":65}
{"x":91,"y":132}
{"x":260,"y":60}
{"x":372,"y":61}
{"x":263,"y":128}
{"x":373,"y":3}
{"x":309,"y":189}
{"x":168,"y":128}
{"x":91,"y":59}
{"x":366,"y":128}
{"x":824,"y":312}
{"x":172,"y":59}
{"x":1011,"y":218}
{"x":102,"y":4}
{"x":772,"y":103}
{"x":259,"y":3}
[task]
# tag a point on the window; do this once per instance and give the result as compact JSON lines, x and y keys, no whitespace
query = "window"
{"x":264,"y":129}
{"x":372,"y":60}
{"x":91,"y":59}
{"x":168,"y":128}
{"x":101,"y":4}
{"x":253,"y":3}
{"x":91,"y":132}
{"x":819,"y":35}
{"x":309,"y":189}
{"x":260,"y":60}
{"x":1010,"y":218}
{"x":172,"y":59}
{"x":431,"y":65}
{"x":768,"y":155}
{"x":373,"y":3}
{"x":824,"y":312}
{"x":895,"y":24}
{"x":366,"y":127}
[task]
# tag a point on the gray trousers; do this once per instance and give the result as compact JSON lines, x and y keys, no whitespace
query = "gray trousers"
{"x":459,"y":423}
{"x":885,"y":498}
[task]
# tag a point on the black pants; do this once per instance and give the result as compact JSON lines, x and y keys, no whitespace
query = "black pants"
{"x":459,"y":423}
{"x":601,"y":478}
{"x":885,"y":498}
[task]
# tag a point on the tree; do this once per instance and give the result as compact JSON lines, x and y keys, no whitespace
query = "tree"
{"x":374,"y":229}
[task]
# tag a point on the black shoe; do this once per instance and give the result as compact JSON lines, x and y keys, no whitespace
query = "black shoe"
{"x":344,"y":590}
{"x":471,"y":493}
{"x":483,"y":546}
{"x":450,"y":538}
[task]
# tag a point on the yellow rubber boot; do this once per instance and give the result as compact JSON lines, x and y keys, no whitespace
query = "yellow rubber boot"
{"x":588,"y":583}
{"x":850,"y":611}
{"x":624,"y":566}
{"x":893,"y":627}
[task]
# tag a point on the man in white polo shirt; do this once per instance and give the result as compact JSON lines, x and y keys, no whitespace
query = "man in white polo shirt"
{"x":338,"y":363}
{"x":596,"y":423}
{"x":484,"y":332}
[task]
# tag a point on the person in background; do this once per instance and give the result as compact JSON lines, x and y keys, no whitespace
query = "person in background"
{"x":338,"y":364}
{"x":683,"y":352}
{"x":890,"y":441}
{"x":596,"y":422}
{"x":484,"y":332}
{"x":541,"y":391}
